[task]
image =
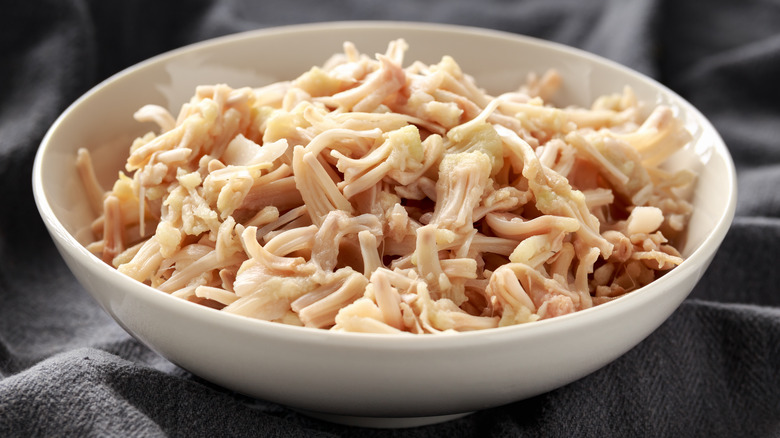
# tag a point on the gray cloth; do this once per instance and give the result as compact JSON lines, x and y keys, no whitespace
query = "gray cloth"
{"x":713,"y":369}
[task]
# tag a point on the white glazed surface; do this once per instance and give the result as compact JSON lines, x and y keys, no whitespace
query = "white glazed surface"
{"x":361,"y":378}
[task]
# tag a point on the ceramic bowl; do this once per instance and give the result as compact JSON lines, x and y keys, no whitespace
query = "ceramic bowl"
{"x":364,"y":379}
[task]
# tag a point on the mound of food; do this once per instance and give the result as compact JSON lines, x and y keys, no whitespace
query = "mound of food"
{"x":369,"y":196}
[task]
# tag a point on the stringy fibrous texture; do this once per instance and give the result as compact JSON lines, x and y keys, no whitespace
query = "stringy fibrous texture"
{"x":369,"y":196}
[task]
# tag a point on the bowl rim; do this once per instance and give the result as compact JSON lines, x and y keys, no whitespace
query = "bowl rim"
{"x":694,"y":261}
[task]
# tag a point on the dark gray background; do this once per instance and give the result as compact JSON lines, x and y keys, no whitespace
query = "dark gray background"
{"x":713,"y":369}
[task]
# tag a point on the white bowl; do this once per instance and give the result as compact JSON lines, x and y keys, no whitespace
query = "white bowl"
{"x":363,"y":379}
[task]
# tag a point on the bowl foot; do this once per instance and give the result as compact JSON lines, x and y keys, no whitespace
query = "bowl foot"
{"x":383,"y":422}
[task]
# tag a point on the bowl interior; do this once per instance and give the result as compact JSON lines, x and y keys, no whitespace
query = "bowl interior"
{"x":102,"y":119}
